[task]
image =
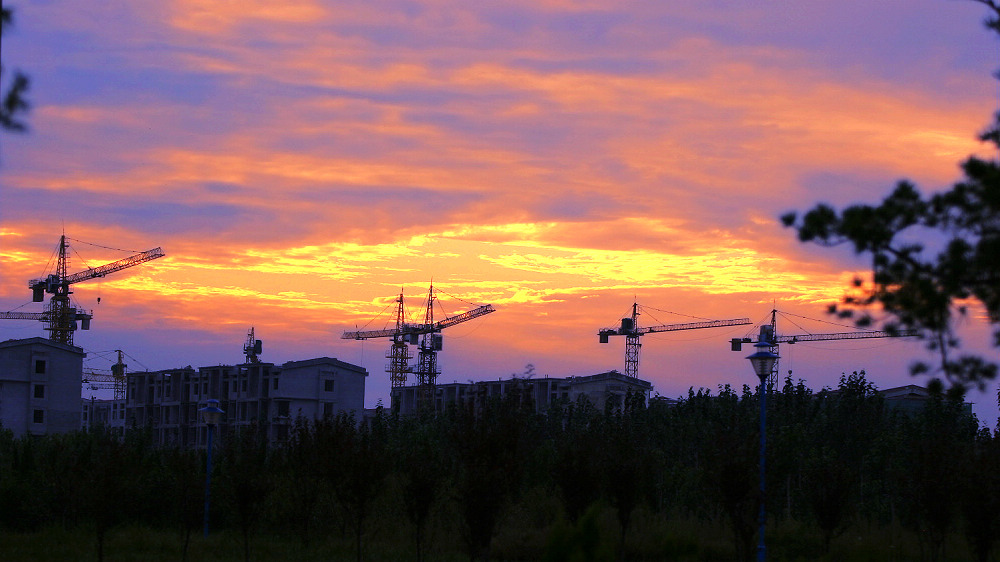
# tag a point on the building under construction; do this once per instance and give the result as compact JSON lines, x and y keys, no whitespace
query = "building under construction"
{"x":40,"y":383}
{"x":603,"y":390}
{"x":269,"y":396}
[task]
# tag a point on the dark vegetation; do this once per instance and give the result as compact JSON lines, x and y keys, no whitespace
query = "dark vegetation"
{"x":848,"y":478}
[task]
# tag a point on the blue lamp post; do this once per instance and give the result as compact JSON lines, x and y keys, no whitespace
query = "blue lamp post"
{"x":211,"y":414}
{"x":763,"y":362}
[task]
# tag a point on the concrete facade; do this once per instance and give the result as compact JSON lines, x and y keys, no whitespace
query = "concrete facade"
{"x":263,"y":394}
{"x":40,"y":386}
{"x":911,"y":399}
{"x":603,"y":390}
{"x":102,"y":412}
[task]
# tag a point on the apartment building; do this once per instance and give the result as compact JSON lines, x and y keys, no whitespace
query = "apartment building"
{"x":40,"y":386}
{"x":269,"y":396}
{"x":102,"y":412}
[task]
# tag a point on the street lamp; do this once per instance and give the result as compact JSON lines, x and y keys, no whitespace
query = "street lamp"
{"x":763,"y":362}
{"x":211,"y":415}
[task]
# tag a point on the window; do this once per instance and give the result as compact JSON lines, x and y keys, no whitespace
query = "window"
{"x":282,"y":408}
{"x":275,"y":383}
{"x":39,"y":391}
{"x":38,"y":416}
{"x":328,"y":409}
{"x":243,"y":385}
{"x":328,"y":385}
{"x":39,"y":366}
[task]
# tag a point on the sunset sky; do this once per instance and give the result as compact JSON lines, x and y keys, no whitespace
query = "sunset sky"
{"x":301,"y":162}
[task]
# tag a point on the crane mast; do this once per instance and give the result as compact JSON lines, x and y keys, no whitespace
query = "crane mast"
{"x":399,"y":353}
{"x":430,"y":344}
{"x":632,"y":343}
{"x":769,"y":334}
{"x":61,"y":322}
{"x":630,"y":329}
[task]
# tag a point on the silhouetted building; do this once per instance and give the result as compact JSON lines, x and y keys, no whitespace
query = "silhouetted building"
{"x":102,"y":412}
{"x":603,"y":390}
{"x":910,"y":399}
{"x":40,"y":386}
{"x":265,"y":395}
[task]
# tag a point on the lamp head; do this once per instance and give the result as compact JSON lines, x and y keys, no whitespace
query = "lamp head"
{"x":763,"y":360}
{"x":211,"y":413}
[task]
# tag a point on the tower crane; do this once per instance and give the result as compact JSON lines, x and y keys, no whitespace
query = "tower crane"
{"x":426,"y":335}
{"x":60,"y":316}
{"x":252,"y":348}
{"x":769,"y":334}
{"x":630,"y":329}
{"x":114,"y":379}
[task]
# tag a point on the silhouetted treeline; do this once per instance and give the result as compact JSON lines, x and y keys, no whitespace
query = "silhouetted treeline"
{"x":498,"y":480}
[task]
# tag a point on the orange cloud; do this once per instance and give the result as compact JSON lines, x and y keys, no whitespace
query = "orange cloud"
{"x":558,"y":159}
{"x":212,"y":16}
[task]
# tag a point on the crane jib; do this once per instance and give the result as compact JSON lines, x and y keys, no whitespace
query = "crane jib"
{"x":418,"y":329}
{"x":633,"y":331}
{"x":848,"y":336}
{"x":737,"y":343}
{"x":101,"y":271}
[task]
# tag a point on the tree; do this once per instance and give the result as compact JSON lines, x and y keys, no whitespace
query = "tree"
{"x":12,"y":99}
{"x":184,"y":469}
{"x":246,"y":479}
{"x":843,"y":430}
{"x":625,"y":466}
{"x":731,"y":463}
{"x":301,"y":487}
{"x":422,"y":463}
{"x":919,"y":290}
{"x":364,"y":467}
{"x":980,"y":495}
{"x":489,"y":447}
{"x":930,"y":484}
{"x":577,"y":470}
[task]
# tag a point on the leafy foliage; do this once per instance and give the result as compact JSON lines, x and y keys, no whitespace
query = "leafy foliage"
{"x":12,"y":101}
{"x":930,"y":256}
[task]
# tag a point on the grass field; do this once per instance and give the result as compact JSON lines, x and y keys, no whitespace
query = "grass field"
{"x":649,"y":540}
